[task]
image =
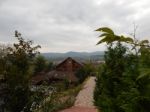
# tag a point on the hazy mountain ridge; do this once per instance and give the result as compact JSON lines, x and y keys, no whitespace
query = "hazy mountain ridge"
{"x":97,"y":55}
{"x":72,"y":54}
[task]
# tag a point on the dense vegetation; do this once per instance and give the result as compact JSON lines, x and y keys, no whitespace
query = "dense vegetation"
{"x":15,"y":64}
{"x":41,"y":64}
{"x":87,"y":70}
{"x":58,"y":100}
{"x":123,"y":83}
{"x":18,"y":64}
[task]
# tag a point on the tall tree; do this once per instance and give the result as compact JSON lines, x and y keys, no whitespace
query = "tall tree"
{"x":40,"y":64}
{"x":17,"y":73}
{"x":123,"y":84}
{"x":3,"y":86}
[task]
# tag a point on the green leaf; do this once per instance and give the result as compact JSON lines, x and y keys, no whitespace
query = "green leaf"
{"x":126,"y":39}
{"x":145,"y":73}
{"x":106,"y":39}
{"x":105,"y":29}
{"x":101,"y":41}
{"x":144,"y":42}
{"x":104,"y":35}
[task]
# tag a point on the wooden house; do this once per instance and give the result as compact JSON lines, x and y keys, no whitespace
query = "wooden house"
{"x":64,"y":70}
{"x":69,"y":65}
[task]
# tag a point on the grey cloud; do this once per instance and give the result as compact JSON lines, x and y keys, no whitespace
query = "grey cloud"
{"x":64,"y":25}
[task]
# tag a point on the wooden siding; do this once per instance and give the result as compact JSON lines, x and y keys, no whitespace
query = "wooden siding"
{"x":69,"y":65}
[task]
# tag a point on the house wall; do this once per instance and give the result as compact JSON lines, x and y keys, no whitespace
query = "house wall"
{"x":68,"y":65}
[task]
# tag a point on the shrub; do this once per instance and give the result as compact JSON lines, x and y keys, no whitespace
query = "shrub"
{"x":123,"y":83}
{"x":84,"y":72}
{"x":16,"y":72}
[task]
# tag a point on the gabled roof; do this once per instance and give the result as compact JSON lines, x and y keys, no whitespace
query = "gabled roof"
{"x":68,"y":59}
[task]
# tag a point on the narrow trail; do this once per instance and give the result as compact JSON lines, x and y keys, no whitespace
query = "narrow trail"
{"x":84,"y":100}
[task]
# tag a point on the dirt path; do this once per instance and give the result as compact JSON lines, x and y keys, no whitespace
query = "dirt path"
{"x":84,"y":100}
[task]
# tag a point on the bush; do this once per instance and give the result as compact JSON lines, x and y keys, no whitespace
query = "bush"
{"x":39,"y":64}
{"x":123,"y":83}
{"x":16,"y":71}
{"x":59,"y":100}
{"x":84,"y":72}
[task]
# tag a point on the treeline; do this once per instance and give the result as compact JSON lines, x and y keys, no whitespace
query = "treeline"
{"x":123,"y":82}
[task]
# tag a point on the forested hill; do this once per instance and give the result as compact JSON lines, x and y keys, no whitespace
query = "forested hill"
{"x":98,"y":55}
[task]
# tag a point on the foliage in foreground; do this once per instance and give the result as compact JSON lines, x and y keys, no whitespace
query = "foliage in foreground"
{"x":123,"y":84}
{"x":15,"y":65}
{"x":58,"y":101}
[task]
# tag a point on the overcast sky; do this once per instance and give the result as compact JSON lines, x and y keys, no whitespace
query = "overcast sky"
{"x":68,"y":25}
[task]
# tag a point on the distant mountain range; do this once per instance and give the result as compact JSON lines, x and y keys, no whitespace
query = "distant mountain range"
{"x":97,"y":55}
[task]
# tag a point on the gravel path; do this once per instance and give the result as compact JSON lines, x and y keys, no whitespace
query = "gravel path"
{"x":85,"y":96}
{"x":80,"y":109}
{"x":84,"y":100}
